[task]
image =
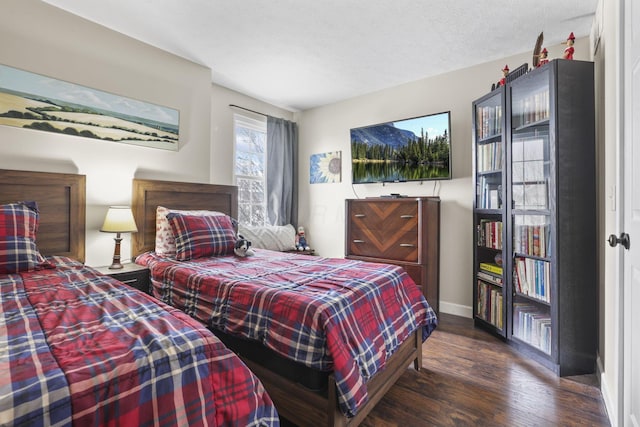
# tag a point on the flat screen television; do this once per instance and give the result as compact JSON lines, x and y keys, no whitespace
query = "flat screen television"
{"x":415,"y":149}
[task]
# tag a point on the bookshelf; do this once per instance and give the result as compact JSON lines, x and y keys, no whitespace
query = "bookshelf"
{"x":489,"y":211}
{"x":548,"y":276}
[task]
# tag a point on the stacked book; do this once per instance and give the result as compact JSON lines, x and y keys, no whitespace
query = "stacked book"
{"x":489,"y":304}
{"x":532,"y":325}
{"x":489,"y":121}
{"x":532,"y":277}
{"x":491,"y":267}
{"x":490,"y":234}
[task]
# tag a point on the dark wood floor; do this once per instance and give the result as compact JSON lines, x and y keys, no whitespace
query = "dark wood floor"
{"x":470,"y":378}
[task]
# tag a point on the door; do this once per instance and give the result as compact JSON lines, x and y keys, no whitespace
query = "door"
{"x":631,"y":211}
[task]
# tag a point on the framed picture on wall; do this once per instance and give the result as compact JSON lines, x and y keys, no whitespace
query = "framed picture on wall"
{"x":33,"y":101}
{"x":326,"y":168}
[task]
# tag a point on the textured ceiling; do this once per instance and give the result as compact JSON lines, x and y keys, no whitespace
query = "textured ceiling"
{"x":300,"y":54}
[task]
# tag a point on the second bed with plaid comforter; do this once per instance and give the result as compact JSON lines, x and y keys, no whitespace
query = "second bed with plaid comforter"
{"x":338,"y":315}
{"x":78,"y":348}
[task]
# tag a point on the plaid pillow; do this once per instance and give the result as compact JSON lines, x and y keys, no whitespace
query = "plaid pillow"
{"x":202,"y":236}
{"x":18,"y":227}
{"x":165,"y":243}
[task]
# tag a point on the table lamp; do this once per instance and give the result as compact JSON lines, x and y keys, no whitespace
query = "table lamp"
{"x":119,"y":219}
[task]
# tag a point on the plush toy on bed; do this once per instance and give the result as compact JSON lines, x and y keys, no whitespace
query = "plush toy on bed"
{"x":243,"y":247}
{"x":301,"y":240}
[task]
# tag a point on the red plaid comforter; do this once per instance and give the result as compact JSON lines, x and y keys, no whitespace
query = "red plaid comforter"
{"x":337,"y":315}
{"x":78,"y":348}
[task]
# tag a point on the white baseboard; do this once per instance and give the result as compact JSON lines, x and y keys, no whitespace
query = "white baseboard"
{"x":609,"y":403}
{"x":456,"y":309}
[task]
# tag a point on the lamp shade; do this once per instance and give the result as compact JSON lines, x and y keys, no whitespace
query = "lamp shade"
{"x":119,"y":219}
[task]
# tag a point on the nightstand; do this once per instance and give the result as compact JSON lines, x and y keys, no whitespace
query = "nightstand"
{"x":132,"y":274}
{"x":305,"y":252}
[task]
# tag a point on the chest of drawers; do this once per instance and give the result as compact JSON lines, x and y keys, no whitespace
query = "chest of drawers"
{"x":401,"y":231}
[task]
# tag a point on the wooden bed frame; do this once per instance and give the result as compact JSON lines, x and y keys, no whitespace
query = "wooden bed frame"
{"x":149,"y":194}
{"x":294,"y":402}
{"x":62,"y":204}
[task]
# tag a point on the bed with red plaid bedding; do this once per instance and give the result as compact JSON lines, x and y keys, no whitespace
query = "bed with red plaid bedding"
{"x":79,"y":348}
{"x":338,"y":315}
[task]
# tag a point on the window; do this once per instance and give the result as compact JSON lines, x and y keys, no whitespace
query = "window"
{"x":250,"y":169}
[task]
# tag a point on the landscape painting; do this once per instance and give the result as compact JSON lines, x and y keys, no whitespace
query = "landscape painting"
{"x":34,"y":101}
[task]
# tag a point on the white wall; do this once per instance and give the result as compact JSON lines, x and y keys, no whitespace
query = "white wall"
{"x":327,"y":129}
{"x":42,"y":39}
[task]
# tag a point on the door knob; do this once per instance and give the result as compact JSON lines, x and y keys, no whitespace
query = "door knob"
{"x":623,"y":240}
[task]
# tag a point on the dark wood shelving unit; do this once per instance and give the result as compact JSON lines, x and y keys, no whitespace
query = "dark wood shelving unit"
{"x":548,"y":215}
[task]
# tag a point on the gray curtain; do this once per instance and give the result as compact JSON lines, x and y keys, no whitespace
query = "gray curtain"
{"x":282,"y":171}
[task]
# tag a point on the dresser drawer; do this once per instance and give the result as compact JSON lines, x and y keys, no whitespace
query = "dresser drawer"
{"x":385,"y":244}
{"x":385,"y":230}
{"x":380,"y":217}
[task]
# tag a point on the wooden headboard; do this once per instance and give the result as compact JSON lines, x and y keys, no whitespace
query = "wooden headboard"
{"x":149,"y":194}
{"x":62,"y":204}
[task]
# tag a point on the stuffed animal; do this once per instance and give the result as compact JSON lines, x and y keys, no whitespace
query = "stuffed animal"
{"x":301,"y":240}
{"x":243,"y":247}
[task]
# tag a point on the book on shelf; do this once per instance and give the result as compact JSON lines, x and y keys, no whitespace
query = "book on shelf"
{"x":531,"y":239}
{"x":493,"y":199}
{"x":489,"y":121}
{"x":534,"y":108}
{"x":489,"y":193}
{"x":491,"y":267}
{"x":490,"y":233}
{"x":518,"y":276}
{"x":489,"y":157}
{"x":532,"y":277}
{"x":489,"y":304}
{"x":490,"y":277}
{"x":533,"y":326}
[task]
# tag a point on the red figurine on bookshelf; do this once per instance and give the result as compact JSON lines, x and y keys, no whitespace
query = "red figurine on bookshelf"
{"x":505,"y":72}
{"x":543,"y":57}
{"x":568,"y":51}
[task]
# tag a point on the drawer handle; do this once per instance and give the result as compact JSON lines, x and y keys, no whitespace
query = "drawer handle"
{"x":359,"y":215}
{"x":407,"y":245}
{"x":406,"y":216}
{"x":358,"y":241}
{"x":129,"y":281}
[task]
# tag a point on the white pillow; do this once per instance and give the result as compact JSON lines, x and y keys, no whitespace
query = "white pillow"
{"x":272,"y":237}
{"x":165,"y":243}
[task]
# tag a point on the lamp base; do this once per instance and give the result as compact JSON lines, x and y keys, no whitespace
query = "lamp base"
{"x":116,"y":265}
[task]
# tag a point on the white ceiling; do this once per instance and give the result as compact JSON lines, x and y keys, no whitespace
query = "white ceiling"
{"x":300,"y":54}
